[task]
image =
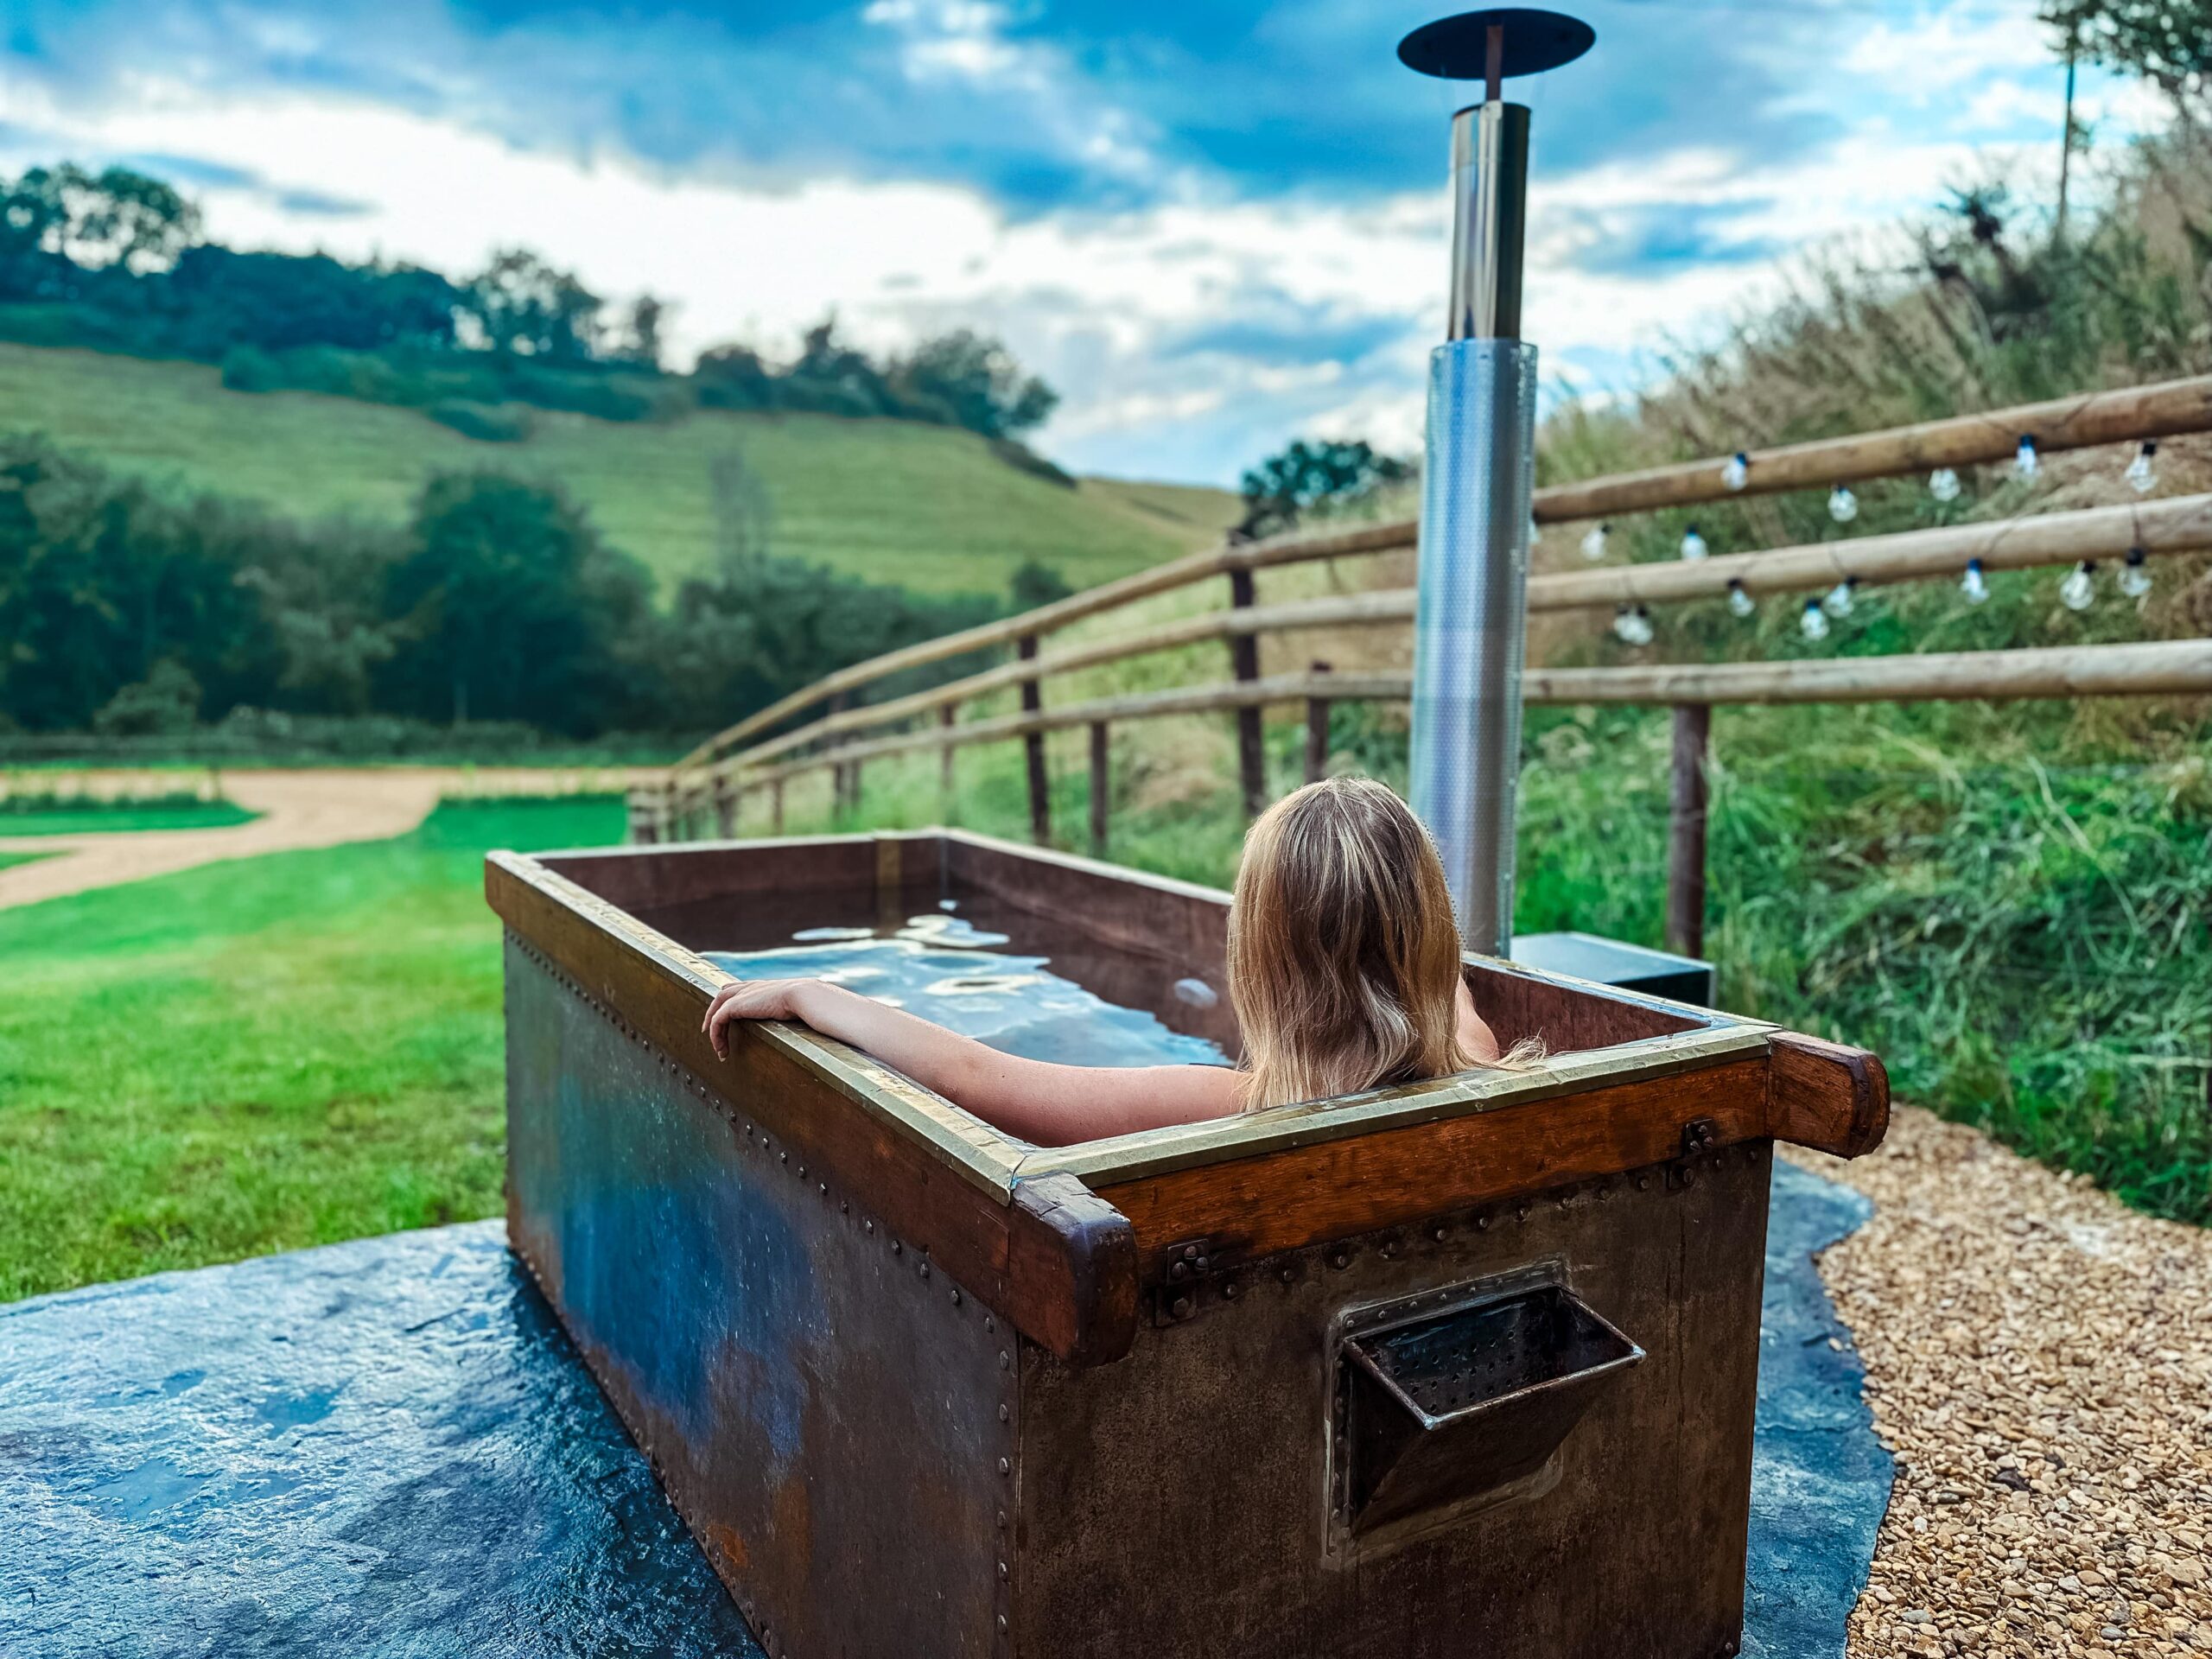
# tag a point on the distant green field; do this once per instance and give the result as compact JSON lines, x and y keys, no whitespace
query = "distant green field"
{"x":929,"y":507}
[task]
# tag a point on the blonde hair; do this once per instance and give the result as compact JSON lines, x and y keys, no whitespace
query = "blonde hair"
{"x":1344,"y":958}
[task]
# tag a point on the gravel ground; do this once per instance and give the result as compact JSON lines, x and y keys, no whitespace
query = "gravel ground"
{"x":2039,"y":1359}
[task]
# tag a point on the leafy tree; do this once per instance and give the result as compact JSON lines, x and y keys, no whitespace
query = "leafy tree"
{"x":508,"y":607}
{"x":1033,"y":584}
{"x":978,"y":384}
{"x":523,"y":306}
{"x":1305,"y":473}
{"x":640,"y":341}
{"x":2168,"y":42}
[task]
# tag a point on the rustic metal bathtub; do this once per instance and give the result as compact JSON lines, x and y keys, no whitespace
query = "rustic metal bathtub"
{"x":1466,"y":1368}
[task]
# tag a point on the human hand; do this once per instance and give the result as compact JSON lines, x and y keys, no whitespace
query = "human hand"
{"x":749,"y":999}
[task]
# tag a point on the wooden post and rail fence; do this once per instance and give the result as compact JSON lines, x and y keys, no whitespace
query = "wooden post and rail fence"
{"x":708,"y":784}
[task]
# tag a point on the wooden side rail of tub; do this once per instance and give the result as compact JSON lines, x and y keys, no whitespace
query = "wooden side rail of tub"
{"x":1365,"y":1376}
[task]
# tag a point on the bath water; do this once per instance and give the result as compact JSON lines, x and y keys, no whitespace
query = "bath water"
{"x":947,"y":970}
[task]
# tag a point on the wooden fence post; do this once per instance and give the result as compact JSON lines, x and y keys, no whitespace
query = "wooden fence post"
{"x":1317,"y":734}
{"x":643,"y":831}
{"x":1244,"y":662}
{"x":725,"y":807}
{"x":776,"y":808}
{"x":1686,"y":830}
{"x":944,"y":718}
{"x":1041,"y":796}
{"x":1101,"y":788}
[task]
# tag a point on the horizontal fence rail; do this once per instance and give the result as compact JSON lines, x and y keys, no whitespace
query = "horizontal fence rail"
{"x":2130,"y":414}
{"x":2180,"y":524}
{"x":2164,"y":666}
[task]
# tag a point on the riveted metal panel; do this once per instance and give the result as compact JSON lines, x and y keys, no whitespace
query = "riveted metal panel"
{"x":831,"y":1414}
{"x":1188,"y":1500}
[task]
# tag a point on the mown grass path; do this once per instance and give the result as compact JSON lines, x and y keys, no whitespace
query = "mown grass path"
{"x":293,"y":809}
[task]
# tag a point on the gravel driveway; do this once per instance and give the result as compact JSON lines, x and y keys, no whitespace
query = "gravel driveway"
{"x":2039,"y":1359}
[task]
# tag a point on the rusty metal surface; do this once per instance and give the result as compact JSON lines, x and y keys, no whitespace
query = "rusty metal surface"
{"x":832,"y":1416}
{"x":1180,"y":1503}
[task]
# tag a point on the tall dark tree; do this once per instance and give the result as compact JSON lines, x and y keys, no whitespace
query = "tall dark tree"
{"x":508,"y":607}
{"x":977,"y":382}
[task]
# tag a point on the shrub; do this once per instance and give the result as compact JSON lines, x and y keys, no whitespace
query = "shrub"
{"x":486,"y":422}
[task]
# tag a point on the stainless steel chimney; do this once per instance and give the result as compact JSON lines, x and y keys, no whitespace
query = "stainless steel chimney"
{"x":1471,"y":620}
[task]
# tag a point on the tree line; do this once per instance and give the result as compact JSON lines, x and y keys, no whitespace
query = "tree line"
{"x":129,"y":610}
{"x":119,"y":260}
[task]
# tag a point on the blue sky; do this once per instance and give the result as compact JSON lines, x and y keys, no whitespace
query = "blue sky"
{"x":1213,"y":227}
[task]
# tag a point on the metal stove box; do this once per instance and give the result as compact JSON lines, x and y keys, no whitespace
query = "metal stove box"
{"x":1457,"y":1368}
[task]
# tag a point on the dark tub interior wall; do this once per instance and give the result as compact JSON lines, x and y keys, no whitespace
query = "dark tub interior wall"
{"x":1135,"y":943}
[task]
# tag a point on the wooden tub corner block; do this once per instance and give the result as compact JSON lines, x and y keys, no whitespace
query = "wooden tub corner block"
{"x":1826,"y":1095}
{"x":1073,"y":1268}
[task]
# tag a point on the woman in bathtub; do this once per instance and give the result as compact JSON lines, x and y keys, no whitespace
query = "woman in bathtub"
{"x":1343,"y":968}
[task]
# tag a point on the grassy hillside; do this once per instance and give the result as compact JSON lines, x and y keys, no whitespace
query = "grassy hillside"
{"x":928,"y":507}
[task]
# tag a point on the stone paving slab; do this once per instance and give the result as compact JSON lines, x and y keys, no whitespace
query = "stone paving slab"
{"x":389,"y":1448}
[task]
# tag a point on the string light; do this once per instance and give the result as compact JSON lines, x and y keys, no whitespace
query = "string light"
{"x":1972,"y":584}
{"x":1943,"y":484}
{"x":1740,"y":601}
{"x":2079,"y":591}
{"x":1632,"y":625}
{"x":1837,"y":602}
{"x":2135,"y":573}
{"x":1814,"y":623}
{"x":2024,"y":458}
{"x":1594,"y":543}
{"x":2142,"y":472}
{"x":1694,"y":545}
{"x":1843,"y":505}
{"x":1737,"y":471}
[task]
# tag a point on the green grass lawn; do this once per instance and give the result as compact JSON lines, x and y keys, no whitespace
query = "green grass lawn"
{"x":259,"y":1055}
{"x":10,"y":860}
{"x":926,"y":506}
{"x":59,"y":815}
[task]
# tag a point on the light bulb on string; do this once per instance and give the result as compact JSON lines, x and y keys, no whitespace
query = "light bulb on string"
{"x":1972,"y":584}
{"x":1837,"y":602}
{"x":1632,"y":625}
{"x":1736,"y":471}
{"x":2142,"y":472}
{"x":1694,"y":545}
{"x":1943,"y":484}
{"x":1594,"y":543}
{"x":2079,"y":591}
{"x":1740,"y":601}
{"x":1843,"y":505}
{"x":1536,"y":530}
{"x":1814,"y":622}
{"x":2024,"y":461}
{"x":2135,"y":573}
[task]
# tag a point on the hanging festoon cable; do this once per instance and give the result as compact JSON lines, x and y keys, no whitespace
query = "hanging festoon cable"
{"x":1843,"y":505}
{"x":1632,"y":625}
{"x":2079,"y":591}
{"x":1736,"y":471}
{"x":1943,"y":484}
{"x":1813,"y":621}
{"x":1594,"y":542}
{"x":1740,"y":601}
{"x":1974,"y":585}
{"x":2142,"y":471}
{"x":2024,"y":458}
{"x":1694,"y":545}
{"x":1840,"y":597}
{"x":2135,"y":573}
{"x":1470,"y":604}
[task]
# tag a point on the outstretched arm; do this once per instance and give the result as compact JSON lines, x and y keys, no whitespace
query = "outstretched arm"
{"x":1052,"y":1105}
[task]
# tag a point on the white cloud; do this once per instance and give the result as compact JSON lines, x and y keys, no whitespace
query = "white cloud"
{"x":1104,"y":303}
